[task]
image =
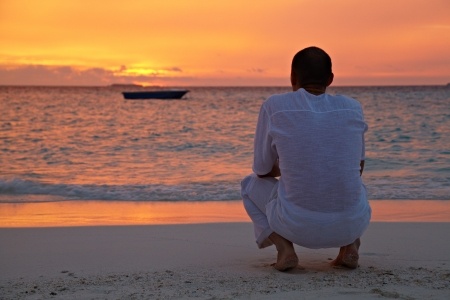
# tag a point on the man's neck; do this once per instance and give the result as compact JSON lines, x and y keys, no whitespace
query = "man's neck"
{"x":315,"y":89}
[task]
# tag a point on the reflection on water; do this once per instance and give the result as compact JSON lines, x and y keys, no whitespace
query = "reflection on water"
{"x":101,"y":213}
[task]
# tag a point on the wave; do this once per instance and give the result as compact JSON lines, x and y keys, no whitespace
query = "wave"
{"x":25,"y":191}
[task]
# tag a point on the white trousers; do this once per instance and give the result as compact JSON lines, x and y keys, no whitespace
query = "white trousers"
{"x":256,"y":193}
{"x":324,"y":230}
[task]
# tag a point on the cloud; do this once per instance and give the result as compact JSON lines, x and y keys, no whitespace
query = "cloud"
{"x":67,"y":75}
{"x":256,"y":70}
{"x":53,"y":75}
{"x":174,"y":69}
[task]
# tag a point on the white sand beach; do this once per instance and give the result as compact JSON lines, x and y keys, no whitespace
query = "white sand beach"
{"x":216,"y":261}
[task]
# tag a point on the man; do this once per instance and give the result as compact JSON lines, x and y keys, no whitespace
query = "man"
{"x":314,"y":143}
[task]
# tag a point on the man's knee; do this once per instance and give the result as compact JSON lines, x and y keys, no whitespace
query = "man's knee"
{"x":247,"y":184}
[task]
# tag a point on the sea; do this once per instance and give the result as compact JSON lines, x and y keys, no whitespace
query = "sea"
{"x":89,"y":143}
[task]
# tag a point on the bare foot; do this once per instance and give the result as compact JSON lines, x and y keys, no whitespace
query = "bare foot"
{"x":286,"y":257}
{"x":285,"y":264}
{"x":348,"y":256}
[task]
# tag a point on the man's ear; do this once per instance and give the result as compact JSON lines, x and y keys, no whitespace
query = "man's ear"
{"x":330,"y":80}
{"x":293,"y":78}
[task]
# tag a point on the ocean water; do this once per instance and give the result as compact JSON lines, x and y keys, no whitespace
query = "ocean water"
{"x":88,"y":143}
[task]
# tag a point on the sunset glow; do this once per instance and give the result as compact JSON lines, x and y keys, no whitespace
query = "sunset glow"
{"x":177,"y":42}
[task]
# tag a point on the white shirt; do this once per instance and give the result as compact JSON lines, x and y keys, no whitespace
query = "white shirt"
{"x":319,"y":141}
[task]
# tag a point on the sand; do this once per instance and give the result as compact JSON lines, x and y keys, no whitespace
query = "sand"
{"x":216,"y":261}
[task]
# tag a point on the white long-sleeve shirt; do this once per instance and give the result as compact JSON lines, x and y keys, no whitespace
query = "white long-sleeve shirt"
{"x":319,"y":141}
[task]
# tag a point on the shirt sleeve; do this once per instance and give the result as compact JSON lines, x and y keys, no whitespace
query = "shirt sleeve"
{"x":265,"y":153}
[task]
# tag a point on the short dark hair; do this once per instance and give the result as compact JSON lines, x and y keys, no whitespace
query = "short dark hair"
{"x":312,"y":65}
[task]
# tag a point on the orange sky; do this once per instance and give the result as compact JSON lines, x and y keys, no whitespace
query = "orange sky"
{"x":230,"y":42}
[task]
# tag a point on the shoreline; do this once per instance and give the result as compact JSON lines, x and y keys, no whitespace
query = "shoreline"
{"x":114,"y":213}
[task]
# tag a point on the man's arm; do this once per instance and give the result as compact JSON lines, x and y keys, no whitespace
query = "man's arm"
{"x":275,"y":172}
{"x":361,"y":167}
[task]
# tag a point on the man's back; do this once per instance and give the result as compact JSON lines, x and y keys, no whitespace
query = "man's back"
{"x":319,"y":141}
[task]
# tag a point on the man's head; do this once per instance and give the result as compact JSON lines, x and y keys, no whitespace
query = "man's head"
{"x":311,"y":67}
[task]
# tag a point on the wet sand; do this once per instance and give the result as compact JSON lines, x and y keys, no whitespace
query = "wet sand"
{"x":102,"y":213}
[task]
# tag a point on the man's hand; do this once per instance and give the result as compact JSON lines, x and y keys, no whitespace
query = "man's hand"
{"x":361,"y":167}
{"x":275,"y":172}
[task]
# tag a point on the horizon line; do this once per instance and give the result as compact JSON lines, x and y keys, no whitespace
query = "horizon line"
{"x":131,"y":85}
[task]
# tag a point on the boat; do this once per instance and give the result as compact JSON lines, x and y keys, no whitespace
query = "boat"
{"x":159,"y":94}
